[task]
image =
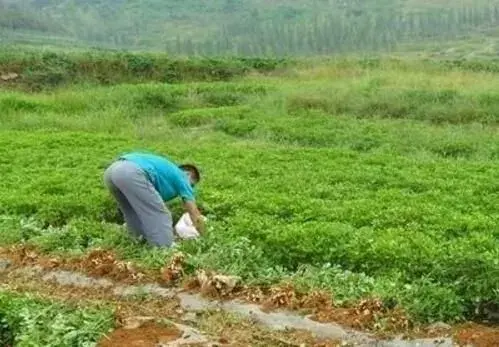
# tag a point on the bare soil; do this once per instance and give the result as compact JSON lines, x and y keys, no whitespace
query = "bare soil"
{"x":477,"y":335}
{"x":97,"y":263}
{"x":149,"y":334}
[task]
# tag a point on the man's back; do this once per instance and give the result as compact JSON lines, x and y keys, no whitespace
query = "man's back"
{"x":168,"y":179}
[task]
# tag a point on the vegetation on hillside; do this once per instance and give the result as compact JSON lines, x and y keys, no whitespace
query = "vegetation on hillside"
{"x":256,"y":27}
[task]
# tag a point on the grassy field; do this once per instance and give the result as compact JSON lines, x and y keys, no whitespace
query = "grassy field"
{"x":362,"y":177}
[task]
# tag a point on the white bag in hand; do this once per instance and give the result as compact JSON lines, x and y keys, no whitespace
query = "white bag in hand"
{"x":185,"y":228}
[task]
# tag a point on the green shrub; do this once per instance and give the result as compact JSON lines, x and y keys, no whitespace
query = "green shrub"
{"x":48,"y":70}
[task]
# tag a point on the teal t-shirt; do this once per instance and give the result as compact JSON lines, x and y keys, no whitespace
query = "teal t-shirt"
{"x":169,"y":180}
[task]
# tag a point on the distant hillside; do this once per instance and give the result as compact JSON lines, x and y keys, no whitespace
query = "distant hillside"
{"x":250,"y":27}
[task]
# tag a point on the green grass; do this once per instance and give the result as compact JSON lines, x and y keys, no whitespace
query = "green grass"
{"x":26,"y":320}
{"x":361,"y":177}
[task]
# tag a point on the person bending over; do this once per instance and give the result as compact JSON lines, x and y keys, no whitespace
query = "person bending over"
{"x":141,"y":183}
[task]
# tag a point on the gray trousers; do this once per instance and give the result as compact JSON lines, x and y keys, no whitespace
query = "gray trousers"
{"x":143,"y":208}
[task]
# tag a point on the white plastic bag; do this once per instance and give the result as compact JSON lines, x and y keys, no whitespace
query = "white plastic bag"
{"x":185,"y":229}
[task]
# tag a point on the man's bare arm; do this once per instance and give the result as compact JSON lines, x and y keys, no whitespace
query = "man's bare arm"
{"x":196,"y":217}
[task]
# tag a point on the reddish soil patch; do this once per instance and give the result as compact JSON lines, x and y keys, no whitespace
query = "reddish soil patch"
{"x":370,"y":315}
{"x":101,"y":263}
{"x":149,"y":334}
{"x":478,"y":336}
{"x":98,"y":263}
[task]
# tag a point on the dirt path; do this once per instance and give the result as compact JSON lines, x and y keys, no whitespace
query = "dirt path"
{"x":149,"y":313}
{"x":146,"y":318}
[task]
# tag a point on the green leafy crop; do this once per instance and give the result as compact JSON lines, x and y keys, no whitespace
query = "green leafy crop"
{"x":363,"y":179}
{"x":28,"y":321}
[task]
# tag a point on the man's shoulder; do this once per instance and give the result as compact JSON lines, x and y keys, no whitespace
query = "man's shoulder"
{"x":149,"y":156}
{"x":161,"y":163}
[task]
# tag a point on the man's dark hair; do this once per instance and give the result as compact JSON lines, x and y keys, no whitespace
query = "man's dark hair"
{"x":193,"y":169}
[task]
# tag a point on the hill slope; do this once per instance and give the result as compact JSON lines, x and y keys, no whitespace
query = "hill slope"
{"x":254,"y":27}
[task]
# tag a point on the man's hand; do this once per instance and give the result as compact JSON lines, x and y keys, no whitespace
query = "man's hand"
{"x":196,"y":217}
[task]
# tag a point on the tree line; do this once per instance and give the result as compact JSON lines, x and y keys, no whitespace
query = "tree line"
{"x":332,"y":33}
{"x":334,"y":30}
